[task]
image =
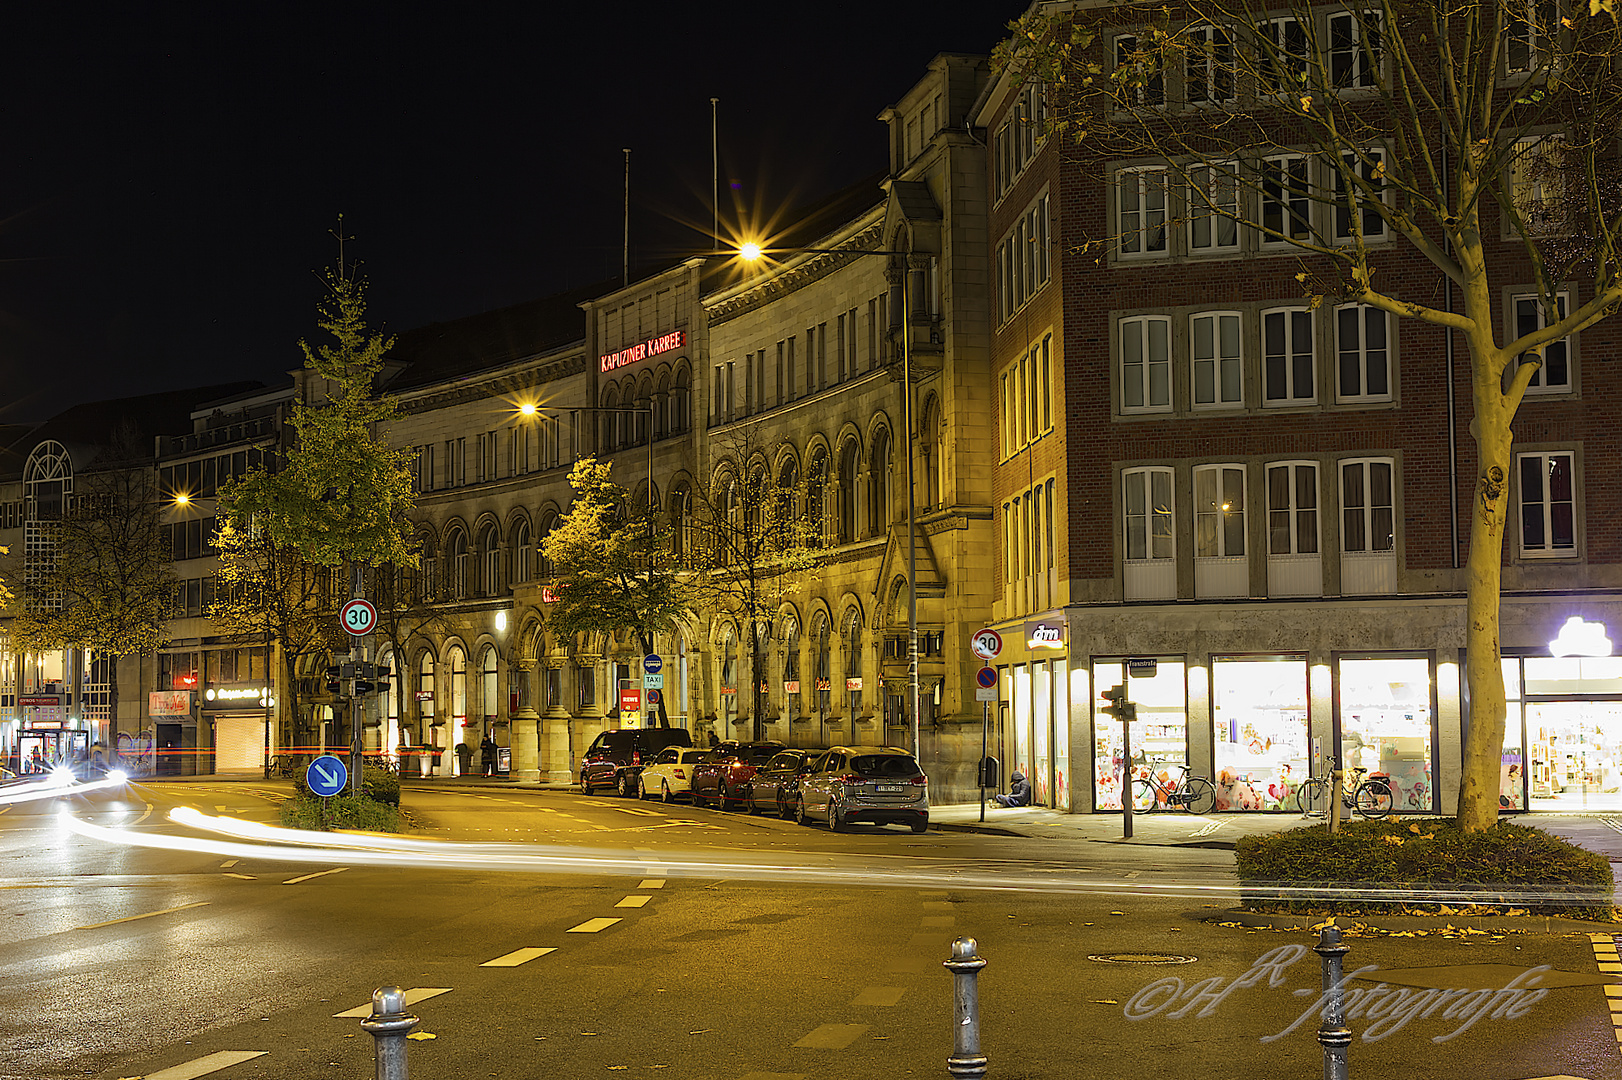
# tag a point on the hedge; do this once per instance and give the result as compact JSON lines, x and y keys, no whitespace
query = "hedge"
{"x":339,"y":812}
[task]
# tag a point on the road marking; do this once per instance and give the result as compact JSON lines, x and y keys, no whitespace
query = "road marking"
{"x":244,"y":877}
{"x":319,"y":873}
{"x":651,"y":883}
{"x":638,"y":810}
{"x":591,"y":926}
{"x":421,"y":993}
{"x":833,"y":1036}
{"x":633,"y":901}
{"x":937,"y":920}
{"x":227,"y":864}
{"x":772,"y":1076}
{"x":513,"y":959}
{"x":144,"y":815}
{"x":148,"y":915}
{"x":879,"y":995}
{"x":214,"y":1062}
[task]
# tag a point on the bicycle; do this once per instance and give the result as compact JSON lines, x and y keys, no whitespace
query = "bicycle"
{"x":1194,"y":794}
{"x":281,"y":766}
{"x":1371,"y":798}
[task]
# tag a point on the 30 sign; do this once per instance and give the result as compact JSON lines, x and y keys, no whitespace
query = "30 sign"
{"x":359,"y":617}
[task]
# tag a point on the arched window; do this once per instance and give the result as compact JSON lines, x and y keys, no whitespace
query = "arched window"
{"x":729,"y":675}
{"x":48,"y":481}
{"x":820,"y":641}
{"x":681,"y":522}
{"x":644,"y":401}
{"x":849,"y":465}
{"x":878,"y":483}
{"x":789,"y":635}
{"x":487,"y":684}
{"x":428,"y":579}
{"x":523,"y":556}
{"x":853,"y":662}
{"x":680,"y":403}
{"x":490,"y":562}
{"x":788,"y":490}
{"x":425,"y":687}
{"x":456,"y":660}
{"x":456,"y":556}
{"x":661,"y":407}
{"x":543,"y":565}
{"x":816,"y":496}
{"x":607,"y":420}
{"x":930,"y":447}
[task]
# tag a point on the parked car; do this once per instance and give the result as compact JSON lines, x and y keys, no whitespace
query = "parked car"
{"x":881,"y":785}
{"x":725,"y":777}
{"x":774,"y":783}
{"x":670,"y":777}
{"x":615,"y":758}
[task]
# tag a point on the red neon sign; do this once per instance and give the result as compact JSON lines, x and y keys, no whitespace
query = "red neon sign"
{"x":652,"y":347}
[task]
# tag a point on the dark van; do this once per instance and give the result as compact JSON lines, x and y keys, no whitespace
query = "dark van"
{"x":615,"y":758}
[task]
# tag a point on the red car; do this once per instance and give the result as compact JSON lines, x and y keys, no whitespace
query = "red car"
{"x":725,"y":777}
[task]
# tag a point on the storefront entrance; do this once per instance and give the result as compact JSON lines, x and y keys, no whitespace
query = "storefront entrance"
{"x":1562,"y":734}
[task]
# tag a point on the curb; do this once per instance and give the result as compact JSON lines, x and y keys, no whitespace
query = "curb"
{"x":1485,"y":924}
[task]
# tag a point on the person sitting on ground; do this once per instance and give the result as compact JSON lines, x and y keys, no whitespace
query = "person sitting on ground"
{"x":1019,"y":794}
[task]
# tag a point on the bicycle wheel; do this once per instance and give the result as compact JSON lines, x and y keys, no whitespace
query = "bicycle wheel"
{"x":1199,"y":796}
{"x":1311,"y":798}
{"x":1372,"y":798}
{"x":1143,"y":797}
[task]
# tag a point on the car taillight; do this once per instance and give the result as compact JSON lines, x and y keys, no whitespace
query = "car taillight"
{"x":920,"y":779}
{"x":738,"y":766}
{"x":636,"y":757}
{"x":679,"y":774}
{"x":851,"y":778}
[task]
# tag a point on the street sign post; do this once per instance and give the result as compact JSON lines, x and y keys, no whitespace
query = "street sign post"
{"x":986,"y":644}
{"x":985,"y":692}
{"x":652,"y":682}
{"x":653,"y":664}
{"x":359,"y":617}
{"x":326,"y":776}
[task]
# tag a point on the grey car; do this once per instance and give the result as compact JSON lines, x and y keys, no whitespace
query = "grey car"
{"x":878,"y":785}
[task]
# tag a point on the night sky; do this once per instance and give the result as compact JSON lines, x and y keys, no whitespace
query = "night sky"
{"x":171,"y":175}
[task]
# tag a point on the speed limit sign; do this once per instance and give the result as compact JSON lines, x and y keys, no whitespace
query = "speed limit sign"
{"x":986,"y":644}
{"x":359,"y":617}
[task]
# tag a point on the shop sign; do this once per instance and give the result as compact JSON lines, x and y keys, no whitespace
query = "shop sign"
{"x":630,"y":699}
{"x":853,"y":684}
{"x":792,"y":686}
{"x":169,"y":703}
{"x":825,"y":684}
{"x":1581,"y":638}
{"x":729,"y":690}
{"x":1047,"y":634}
{"x":1142,"y":668}
{"x":40,"y":701}
{"x":549,"y":595}
{"x":425,"y":695}
{"x":652,"y":347}
{"x":234,"y":693}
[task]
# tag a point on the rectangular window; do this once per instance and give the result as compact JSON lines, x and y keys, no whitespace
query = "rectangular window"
{"x":1023,"y":259}
{"x":1286,"y":206}
{"x":1145,"y":363}
{"x":1361,"y":198}
{"x":1548,"y":505}
{"x":1145,"y":83}
{"x":1368,"y":518}
{"x":1219,"y":511}
{"x":785,"y":376}
{"x":1218,"y":367}
{"x":1530,"y":27}
{"x":1147,"y":497}
{"x":1209,"y":79}
{"x":822,"y":355}
{"x":1213,"y":207}
{"x":1537,"y":182}
{"x":1364,"y":356}
{"x":1287,"y":357}
{"x":1282,"y":61}
{"x":1354,"y":50}
{"x":1292,"y":509}
{"x":1141,"y":213}
{"x":1555,"y":374}
{"x":427,"y":458}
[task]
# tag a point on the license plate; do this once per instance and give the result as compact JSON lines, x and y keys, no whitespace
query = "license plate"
{"x":889,"y":788}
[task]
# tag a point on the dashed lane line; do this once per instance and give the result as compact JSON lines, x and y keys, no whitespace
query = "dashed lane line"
{"x":592,"y":926}
{"x":772,"y":1076}
{"x":222,"y":1059}
{"x":244,"y":877}
{"x":148,"y":915}
{"x":516,"y":957}
{"x":651,"y":883}
{"x":228,"y":863}
{"x":833,"y":1036}
{"x":318,"y":873}
{"x":879,"y":995}
{"x":420,"y":993}
{"x":633,"y":901}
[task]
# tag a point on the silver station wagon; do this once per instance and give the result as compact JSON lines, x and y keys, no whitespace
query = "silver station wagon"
{"x":877,"y":785}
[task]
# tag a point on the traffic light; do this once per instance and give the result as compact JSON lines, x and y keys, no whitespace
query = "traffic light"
{"x":334,"y":684}
{"x":1119,"y":707}
{"x":362,"y":686}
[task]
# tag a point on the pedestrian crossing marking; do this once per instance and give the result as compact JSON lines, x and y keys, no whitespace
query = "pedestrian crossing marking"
{"x":633,"y":901}
{"x":222,"y":1059}
{"x":319,"y":873}
{"x":591,"y":926}
{"x":879,"y":995}
{"x":833,"y":1036}
{"x":518,"y":956}
{"x":639,"y":810}
{"x":651,"y":883}
{"x":420,"y":993}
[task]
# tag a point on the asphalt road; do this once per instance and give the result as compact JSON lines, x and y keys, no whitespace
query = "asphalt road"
{"x":720,"y":947}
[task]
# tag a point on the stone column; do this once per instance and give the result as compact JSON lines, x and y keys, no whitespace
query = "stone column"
{"x":556,"y":724}
{"x":525,"y":721}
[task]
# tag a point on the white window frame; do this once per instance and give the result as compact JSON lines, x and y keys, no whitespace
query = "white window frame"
{"x":1152,"y":94}
{"x":1290,"y":176}
{"x":1363,"y":65}
{"x":1135,"y":224}
{"x":1293,"y":512}
{"x":1369,"y":358}
{"x":1141,"y":383}
{"x":1158,"y":523}
{"x":1364,"y":536}
{"x":1273,"y":30}
{"x":1213,"y":205}
{"x":1218,"y":511}
{"x":1290,"y":354}
{"x":1527,"y":311}
{"x":1538,"y":197}
{"x":1522,"y":35}
{"x":1219,"y":362}
{"x":1544,"y":499}
{"x":1207,"y":68}
{"x":1366,"y":165}
{"x":1023,"y":259}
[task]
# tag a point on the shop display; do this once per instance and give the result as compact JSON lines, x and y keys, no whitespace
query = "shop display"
{"x":1386,"y":725}
{"x":1259,"y":724}
{"x":1159,"y":735}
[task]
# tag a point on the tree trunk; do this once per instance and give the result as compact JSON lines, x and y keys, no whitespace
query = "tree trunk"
{"x":757,"y":678}
{"x":1484,"y":740}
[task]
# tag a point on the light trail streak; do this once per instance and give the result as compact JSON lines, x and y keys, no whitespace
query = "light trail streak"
{"x":289,"y":845}
{"x":55,"y":786}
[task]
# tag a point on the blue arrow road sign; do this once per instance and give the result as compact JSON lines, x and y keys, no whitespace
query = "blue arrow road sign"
{"x":652,"y":664}
{"x":326,"y":775}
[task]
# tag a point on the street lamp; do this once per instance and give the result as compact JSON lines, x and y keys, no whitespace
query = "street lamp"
{"x":752,"y":252}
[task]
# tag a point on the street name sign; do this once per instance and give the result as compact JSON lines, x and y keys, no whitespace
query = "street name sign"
{"x":359,"y":617}
{"x":326,"y":776}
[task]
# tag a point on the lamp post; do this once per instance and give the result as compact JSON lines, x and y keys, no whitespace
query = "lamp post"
{"x":752,"y":252}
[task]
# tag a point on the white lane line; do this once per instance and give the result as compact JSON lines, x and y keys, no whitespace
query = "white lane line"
{"x":591,"y":926}
{"x":833,"y":1036}
{"x":148,"y":915}
{"x":519,"y":956}
{"x":421,"y":993}
{"x":638,"y":810}
{"x":772,"y":1076}
{"x":879,"y":995}
{"x":244,"y":877}
{"x":202,"y":1066}
{"x":227,"y":864}
{"x":319,"y":873}
{"x":651,"y":883}
{"x":144,"y":815}
{"x":633,"y":901}
{"x":937,"y":920}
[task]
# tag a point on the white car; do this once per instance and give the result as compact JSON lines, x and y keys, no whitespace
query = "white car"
{"x":671,"y":775}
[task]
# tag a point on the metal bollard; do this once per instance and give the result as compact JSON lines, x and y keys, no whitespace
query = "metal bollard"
{"x":389,"y":1024}
{"x":1333,"y":1034}
{"x":966,"y":1060}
